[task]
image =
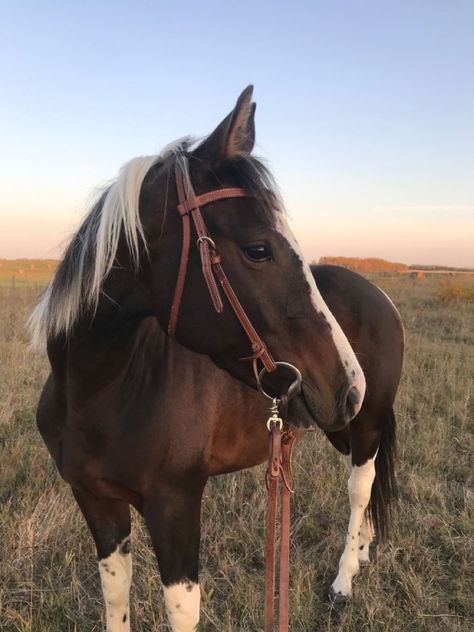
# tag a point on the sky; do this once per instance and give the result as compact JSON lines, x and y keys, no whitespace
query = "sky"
{"x":365,"y":113}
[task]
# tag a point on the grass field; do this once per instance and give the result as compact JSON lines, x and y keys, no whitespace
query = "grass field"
{"x":423,"y":579}
{"x":30,"y":273}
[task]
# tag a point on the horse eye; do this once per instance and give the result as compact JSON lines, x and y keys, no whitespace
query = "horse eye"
{"x":258,"y":253}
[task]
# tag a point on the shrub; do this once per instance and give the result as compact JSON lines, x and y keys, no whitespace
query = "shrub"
{"x":454,"y":292}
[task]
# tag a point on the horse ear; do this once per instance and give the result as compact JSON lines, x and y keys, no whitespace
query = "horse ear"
{"x":235,"y":135}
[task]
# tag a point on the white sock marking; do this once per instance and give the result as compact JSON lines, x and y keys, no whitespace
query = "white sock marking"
{"x":351,"y":365}
{"x":359,"y":486}
{"x":365,"y":539}
{"x":116,"y":578}
{"x":182,"y":605}
{"x":366,"y":533}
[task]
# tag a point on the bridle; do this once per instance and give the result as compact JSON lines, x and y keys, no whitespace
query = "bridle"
{"x":281,"y":442}
{"x":190,"y":207}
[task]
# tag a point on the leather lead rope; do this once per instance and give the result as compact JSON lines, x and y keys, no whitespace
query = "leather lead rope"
{"x":279,"y":469}
{"x":287,"y":443}
{"x":189,"y":205}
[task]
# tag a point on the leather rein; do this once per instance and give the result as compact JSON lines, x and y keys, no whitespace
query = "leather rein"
{"x":281,"y":441}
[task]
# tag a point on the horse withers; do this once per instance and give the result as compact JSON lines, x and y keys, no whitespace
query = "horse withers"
{"x":134,"y":417}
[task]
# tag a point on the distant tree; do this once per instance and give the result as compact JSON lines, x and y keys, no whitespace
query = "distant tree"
{"x":369,"y":264}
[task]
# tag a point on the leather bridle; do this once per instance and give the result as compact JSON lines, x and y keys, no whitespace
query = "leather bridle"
{"x":190,"y":207}
{"x":281,"y":441}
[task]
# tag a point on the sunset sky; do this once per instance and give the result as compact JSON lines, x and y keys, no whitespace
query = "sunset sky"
{"x":365,"y":113}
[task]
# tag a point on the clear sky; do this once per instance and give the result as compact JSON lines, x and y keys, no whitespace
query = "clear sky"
{"x":365,"y":112}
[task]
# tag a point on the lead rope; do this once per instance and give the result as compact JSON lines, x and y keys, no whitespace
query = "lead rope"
{"x":279,"y":467}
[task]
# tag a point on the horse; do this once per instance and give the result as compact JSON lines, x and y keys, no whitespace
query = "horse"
{"x":153,"y":382}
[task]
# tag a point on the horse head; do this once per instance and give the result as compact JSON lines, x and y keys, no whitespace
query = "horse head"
{"x":265,"y":268}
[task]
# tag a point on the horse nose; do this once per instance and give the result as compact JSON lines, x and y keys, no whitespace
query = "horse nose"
{"x":353,"y":401}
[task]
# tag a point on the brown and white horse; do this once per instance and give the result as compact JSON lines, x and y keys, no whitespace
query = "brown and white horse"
{"x":134,"y":417}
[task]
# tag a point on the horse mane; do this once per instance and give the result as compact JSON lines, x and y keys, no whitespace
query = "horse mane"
{"x":91,"y":253}
{"x":89,"y":257}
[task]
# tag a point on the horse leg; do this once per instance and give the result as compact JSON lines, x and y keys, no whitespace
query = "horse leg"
{"x":361,"y":466}
{"x":109,"y":522}
{"x":173,"y":516}
{"x":366,"y":540}
{"x":359,"y":486}
{"x":366,"y":535}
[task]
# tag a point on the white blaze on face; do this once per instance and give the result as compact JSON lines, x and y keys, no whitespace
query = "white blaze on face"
{"x":116,"y":577}
{"x":352,"y":367}
{"x":182,"y":605}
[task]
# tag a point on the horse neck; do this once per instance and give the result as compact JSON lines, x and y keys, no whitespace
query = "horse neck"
{"x":101,"y":344}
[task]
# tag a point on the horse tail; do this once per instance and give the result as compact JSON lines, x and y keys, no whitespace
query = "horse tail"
{"x":384,"y":488}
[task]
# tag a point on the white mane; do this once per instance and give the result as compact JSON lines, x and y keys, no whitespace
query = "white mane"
{"x":92,"y":251}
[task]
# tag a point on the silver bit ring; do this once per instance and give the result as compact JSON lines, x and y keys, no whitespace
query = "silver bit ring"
{"x":295,"y":386}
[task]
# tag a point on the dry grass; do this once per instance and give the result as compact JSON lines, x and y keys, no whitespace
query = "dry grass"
{"x":455,"y":292}
{"x":26,"y":272}
{"x":422,"y":580}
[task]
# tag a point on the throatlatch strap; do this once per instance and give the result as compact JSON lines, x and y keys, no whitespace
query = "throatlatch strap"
{"x":183,"y":264}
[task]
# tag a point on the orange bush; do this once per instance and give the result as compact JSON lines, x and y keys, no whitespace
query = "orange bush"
{"x":454,"y":292}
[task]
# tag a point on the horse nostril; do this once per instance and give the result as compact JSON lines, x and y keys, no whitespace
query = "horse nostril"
{"x":354,"y":401}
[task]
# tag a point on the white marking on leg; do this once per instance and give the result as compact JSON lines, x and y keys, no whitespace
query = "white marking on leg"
{"x":116,"y":578}
{"x":182,"y":605}
{"x":366,"y":532}
{"x":351,"y":365}
{"x":365,"y":539}
{"x":359,"y":486}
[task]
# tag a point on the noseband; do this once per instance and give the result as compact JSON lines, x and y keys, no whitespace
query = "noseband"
{"x":190,"y":207}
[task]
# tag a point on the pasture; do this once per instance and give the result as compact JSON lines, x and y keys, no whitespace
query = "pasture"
{"x":422,"y":579}
{"x":26,"y":272}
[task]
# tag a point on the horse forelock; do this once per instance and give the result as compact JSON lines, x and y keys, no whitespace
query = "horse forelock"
{"x":259,"y":181}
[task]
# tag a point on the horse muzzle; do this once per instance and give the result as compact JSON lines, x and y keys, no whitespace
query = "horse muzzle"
{"x":311,"y":408}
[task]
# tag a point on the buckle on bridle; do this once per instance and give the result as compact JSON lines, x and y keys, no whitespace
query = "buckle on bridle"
{"x":204,"y":238}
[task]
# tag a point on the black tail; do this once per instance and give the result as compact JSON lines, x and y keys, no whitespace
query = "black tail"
{"x":384,"y":489}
